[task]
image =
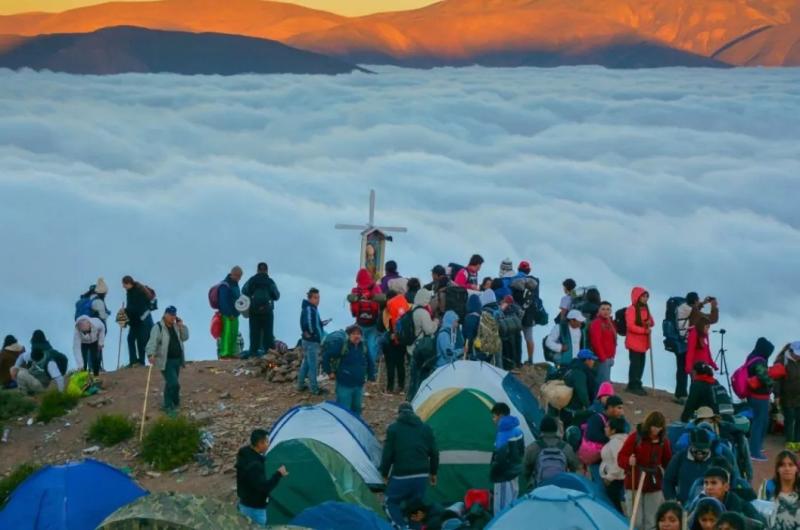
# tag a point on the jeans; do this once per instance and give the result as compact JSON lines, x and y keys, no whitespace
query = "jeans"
{"x":261,"y":332}
{"x":791,"y":424}
{"x":91,"y":357}
{"x":370,"y":335}
{"x":310,"y":366}
{"x":636,"y":369}
{"x":257,"y":515}
{"x":172,"y":386}
{"x":681,"y":377}
{"x":604,"y":371}
{"x":395,"y":356}
{"x":350,"y":397}
{"x":758,"y":429}
{"x":400,"y":492}
{"x":505,"y":493}
{"x":138,"y":335}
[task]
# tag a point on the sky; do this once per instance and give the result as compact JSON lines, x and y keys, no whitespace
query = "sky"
{"x":343,"y":7}
{"x":673,"y":179}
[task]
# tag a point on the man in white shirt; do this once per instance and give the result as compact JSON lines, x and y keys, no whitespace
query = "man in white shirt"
{"x":568,"y":337}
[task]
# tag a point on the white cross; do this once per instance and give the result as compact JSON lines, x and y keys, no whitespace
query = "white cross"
{"x":370,"y":226}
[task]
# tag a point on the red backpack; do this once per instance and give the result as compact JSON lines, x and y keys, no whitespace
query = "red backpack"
{"x":213,"y":296}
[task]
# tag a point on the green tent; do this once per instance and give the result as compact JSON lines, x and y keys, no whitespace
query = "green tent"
{"x":461,"y":419}
{"x":317,"y":473}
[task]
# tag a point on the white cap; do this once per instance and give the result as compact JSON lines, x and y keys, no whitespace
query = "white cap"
{"x":576,"y":315}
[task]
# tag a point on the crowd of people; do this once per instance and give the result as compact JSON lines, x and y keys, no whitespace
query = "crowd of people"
{"x":697,"y":477}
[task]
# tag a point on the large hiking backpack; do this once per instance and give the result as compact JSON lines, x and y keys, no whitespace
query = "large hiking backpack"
{"x":261,"y":300}
{"x":83,"y":307}
{"x":424,"y":355}
{"x":550,"y":462}
{"x":739,"y":382}
{"x":723,"y":401}
{"x":455,"y":299}
{"x":509,"y":323}
{"x":488,"y":340}
{"x":333,"y":346}
{"x":525,"y":291}
{"x":404,"y":329}
{"x":367,"y":308}
{"x":620,"y":323}
{"x":540,"y":316}
{"x":669,"y":326}
{"x":453,"y":269}
{"x":213,"y":296}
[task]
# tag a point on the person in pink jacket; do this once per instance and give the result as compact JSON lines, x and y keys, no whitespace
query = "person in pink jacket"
{"x":698,"y":349}
{"x":639,"y":322}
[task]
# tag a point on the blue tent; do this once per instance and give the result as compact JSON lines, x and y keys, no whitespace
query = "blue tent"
{"x":573,"y":481}
{"x":339,"y":516}
{"x":557,"y":508}
{"x":75,"y":496}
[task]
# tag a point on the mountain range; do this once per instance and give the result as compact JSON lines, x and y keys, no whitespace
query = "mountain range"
{"x":621,"y":33}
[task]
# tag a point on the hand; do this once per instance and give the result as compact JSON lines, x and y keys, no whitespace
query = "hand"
{"x":564,"y":348}
{"x":632,"y":461}
{"x":151,"y":359}
{"x":434,"y":480}
{"x":282,"y":471}
{"x":332,"y":377}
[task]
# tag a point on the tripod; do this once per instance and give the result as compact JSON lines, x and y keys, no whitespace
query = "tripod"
{"x":722,"y":360}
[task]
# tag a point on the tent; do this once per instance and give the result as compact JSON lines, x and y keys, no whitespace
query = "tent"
{"x":456,"y":401}
{"x":576,"y":482}
{"x":73,"y":496}
{"x":330,"y":454}
{"x":176,"y":511}
{"x":557,"y":508}
{"x":340,"y":516}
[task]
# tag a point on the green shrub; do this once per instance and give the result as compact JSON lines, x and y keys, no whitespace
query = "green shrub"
{"x":111,"y":429}
{"x":10,"y":483}
{"x":55,"y":404}
{"x":13,"y":405}
{"x":170,"y":443}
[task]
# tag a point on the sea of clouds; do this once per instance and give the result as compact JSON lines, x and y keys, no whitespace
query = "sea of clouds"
{"x":674,"y":179}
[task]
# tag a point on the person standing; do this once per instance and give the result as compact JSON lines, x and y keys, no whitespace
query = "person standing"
{"x":136,"y":314}
{"x":603,"y":340}
{"x":394,"y":353}
{"x":165,"y":351}
{"x":311,"y":327}
{"x":639,"y":321}
{"x":228,"y":294}
{"x":784,"y":490}
{"x":391,"y":274}
{"x":528,"y":299}
{"x":263,"y":293}
{"x":787,"y":393}
{"x":688,"y":466}
{"x":88,"y":343}
{"x":697,"y":347}
{"x":366,"y":309}
{"x":410,"y":460}
{"x":468,"y":276}
{"x":252,"y":485}
{"x":701,"y":393}
{"x":565,"y":305}
{"x":760,"y":385}
{"x":611,"y":474}
{"x":568,"y":337}
{"x":34,"y":370}
{"x":449,"y":341}
{"x":11,"y":351}
{"x":351,"y":368}
{"x":506,"y":464}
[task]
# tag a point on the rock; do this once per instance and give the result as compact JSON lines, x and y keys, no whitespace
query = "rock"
{"x":202,"y":418}
{"x":99,"y":401}
{"x":153,"y":474}
{"x":181,"y":469}
{"x":91,"y":450}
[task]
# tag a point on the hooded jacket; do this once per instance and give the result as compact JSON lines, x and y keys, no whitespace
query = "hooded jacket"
{"x":652,"y":457}
{"x":410,"y":448}
{"x":449,"y":342}
{"x":716,"y":507}
{"x":609,"y":469}
{"x":96,"y":334}
{"x":509,"y":449}
{"x":424,"y":323}
{"x":788,"y":388}
{"x":257,"y":282}
{"x":581,"y":379}
{"x":695,"y":353}
{"x":547,"y":440}
{"x":228,"y":294}
{"x":252,"y":486}
{"x":364,"y":307}
{"x":638,"y":337}
{"x":603,"y":338}
{"x":473,"y":318}
{"x":758,"y":371}
{"x":681,"y":473}
{"x":310,"y":323}
{"x":137,"y":304}
{"x":355,"y":365}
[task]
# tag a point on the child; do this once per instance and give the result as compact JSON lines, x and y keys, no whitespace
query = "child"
{"x":610,"y":472}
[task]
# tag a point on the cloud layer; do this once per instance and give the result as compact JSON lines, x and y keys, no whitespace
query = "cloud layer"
{"x":673,"y":179}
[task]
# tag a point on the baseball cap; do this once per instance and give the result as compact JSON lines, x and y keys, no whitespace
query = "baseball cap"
{"x":586,"y":355}
{"x":576,"y":315}
{"x":171,"y":310}
{"x":524,"y":266}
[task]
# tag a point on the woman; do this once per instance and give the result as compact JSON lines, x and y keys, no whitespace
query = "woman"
{"x":644,"y":456}
{"x":760,"y":385}
{"x":784,"y":489}
{"x":8,"y":358}
{"x":701,"y":393}
{"x":706,"y":514}
{"x":698,"y":349}
{"x":787,"y":393}
{"x":669,"y":516}
{"x":639,"y":321}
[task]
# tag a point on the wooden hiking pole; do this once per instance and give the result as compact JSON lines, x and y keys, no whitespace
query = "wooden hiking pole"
{"x":144,"y":406}
{"x":652,"y":371}
{"x":119,"y":344}
{"x":637,"y":499}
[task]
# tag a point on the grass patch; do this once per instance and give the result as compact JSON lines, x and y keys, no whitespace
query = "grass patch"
{"x":13,"y":405}
{"x":10,"y":483}
{"x":55,"y":404}
{"x":170,"y":443}
{"x":111,"y":429}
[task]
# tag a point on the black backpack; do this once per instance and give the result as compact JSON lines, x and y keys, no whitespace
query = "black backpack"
{"x":455,"y":299}
{"x":669,"y":326}
{"x":620,"y":323}
{"x":509,"y":323}
{"x":453,"y":269}
{"x":404,"y":329}
{"x":525,"y":291}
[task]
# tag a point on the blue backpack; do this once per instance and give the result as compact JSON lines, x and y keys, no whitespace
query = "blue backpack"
{"x":83,"y":307}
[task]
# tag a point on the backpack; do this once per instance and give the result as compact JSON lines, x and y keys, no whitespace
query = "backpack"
{"x":540,"y":316}
{"x":723,"y":400}
{"x":83,"y":307}
{"x":213,"y":296}
{"x":453,"y":269}
{"x":739,"y":379}
{"x":550,"y":462}
{"x":404,"y":329}
{"x":261,"y":300}
{"x":524,"y":291}
{"x":455,"y":299}
{"x":151,"y":297}
{"x":333,"y":346}
{"x":488,"y":340}
{"x":367,"y":308}
{"x":216,"y":325}
{"x":424,"y":355}
{"x":589,"y":452}
{"x":508,"y":324}
{"x":673,"y":341}
{"x":620,"y":323}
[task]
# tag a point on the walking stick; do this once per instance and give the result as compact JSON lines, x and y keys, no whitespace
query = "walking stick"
{"x":637,"y":499}
{"x":119,"y":344}
{"x":652,"y":371}
{"x":144,"y":406}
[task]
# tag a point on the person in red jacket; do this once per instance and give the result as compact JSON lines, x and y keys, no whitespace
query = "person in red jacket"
{"x":468,"y":276}
{"x":644,"y":456}
{"x":698,"y":349}
{"x":603,"y":340}
{"x":639,"y":321}
{"x":366,"y":308}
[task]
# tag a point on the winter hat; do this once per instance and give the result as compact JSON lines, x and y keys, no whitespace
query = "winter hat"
{"x":506,"y":268}
{"x":399,"y":285}
{"x":700,"y":439}
{"x":488,"y":297}
{"x":606,"y":389}
{"x":524,"y":266}
{"x":100,"y":287}
{"x":548,"y":424}
{"x":405,"y":407}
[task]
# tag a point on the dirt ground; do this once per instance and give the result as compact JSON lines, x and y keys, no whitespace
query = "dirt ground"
{"x":229,"y":398}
